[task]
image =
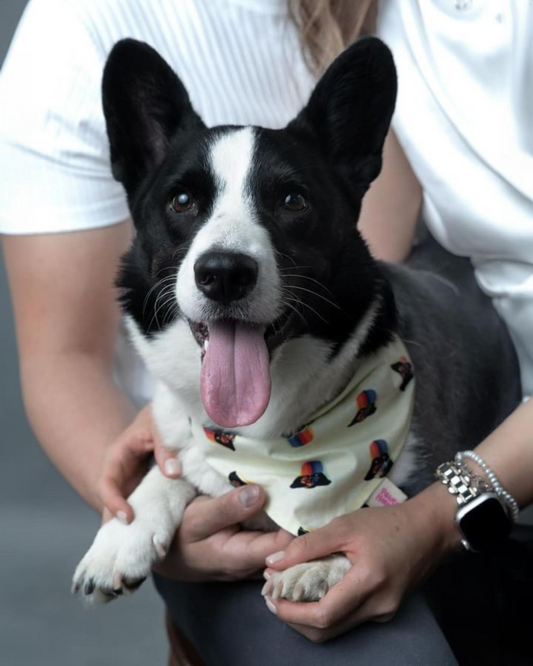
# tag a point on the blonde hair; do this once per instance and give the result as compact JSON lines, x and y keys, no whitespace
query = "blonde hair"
{"x":328,"y":26}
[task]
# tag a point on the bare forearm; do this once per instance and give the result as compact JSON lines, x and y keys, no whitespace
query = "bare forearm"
{"x":76,"y":410}
{"x":509,"y":452}
{"x":391,"y":206}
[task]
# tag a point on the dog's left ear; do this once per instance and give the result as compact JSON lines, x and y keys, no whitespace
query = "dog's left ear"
{"x":145,"y":103}
{"x":350,"y":110}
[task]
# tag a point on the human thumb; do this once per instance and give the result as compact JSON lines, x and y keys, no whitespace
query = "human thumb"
{"x":166,"y":458}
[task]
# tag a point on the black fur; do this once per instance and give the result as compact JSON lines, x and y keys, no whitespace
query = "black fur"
{"x":330,"y":153}
{"x":467,"y":370}
{"x":467,"y":373}
{"x":145,"y":104}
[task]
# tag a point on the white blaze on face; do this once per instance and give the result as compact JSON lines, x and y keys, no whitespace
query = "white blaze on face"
{"x":233,"y":227}
{"x":235,"y":381}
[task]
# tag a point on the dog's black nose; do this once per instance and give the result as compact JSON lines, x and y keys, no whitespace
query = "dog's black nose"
{"x":225,"y":276}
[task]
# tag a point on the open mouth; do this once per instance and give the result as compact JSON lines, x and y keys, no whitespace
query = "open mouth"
{"x":235,"y":378}
{"x":201,"y":335}
{"x":275,"y":333}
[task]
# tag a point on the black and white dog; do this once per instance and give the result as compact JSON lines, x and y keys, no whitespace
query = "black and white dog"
{"x":252,"y":297}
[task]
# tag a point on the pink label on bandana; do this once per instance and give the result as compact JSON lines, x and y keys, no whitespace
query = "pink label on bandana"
{"x":386,"y":494}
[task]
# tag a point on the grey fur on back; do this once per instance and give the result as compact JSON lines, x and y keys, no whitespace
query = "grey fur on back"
{"x":468,"y":378}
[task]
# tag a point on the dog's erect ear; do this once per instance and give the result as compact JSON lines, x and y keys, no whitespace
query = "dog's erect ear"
{"x":351,"y":108}
{"x":144,"y":104}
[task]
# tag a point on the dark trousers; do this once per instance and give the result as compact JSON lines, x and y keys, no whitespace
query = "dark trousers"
{"x":228,"y":624}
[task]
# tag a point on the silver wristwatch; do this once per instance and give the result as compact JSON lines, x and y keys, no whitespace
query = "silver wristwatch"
{"x":482,"y":517}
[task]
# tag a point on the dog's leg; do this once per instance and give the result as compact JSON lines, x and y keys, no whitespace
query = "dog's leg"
{"x":121,"y":556}
{"x":308,"y":581}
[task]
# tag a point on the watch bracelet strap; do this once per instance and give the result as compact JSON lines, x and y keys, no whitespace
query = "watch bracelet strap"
{"x":458,"y":482}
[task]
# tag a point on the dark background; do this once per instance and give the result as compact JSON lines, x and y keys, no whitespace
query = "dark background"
{"x":45,"y":529}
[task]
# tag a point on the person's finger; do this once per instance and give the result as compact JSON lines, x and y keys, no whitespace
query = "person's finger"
{"x":340,"y":602}
{"x":264,"y":542}
{"x":113,"y":500}
{"x":247,"y":549}
{"x":356,"y":599}
{"x":166,"y":458}
{"x":112,"y":491}
{"x":365,"y":613}
{"x":206,"y":516}
{"x":361,"y":584}
{"x":106,"y":516}
{"x":310,"y":546}
{"x":123,"y":469}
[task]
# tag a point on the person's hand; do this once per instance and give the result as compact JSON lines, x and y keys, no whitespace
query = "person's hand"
{"x":210,"y":544}
{"x":391,"y":550}
{"x":127,"y":461}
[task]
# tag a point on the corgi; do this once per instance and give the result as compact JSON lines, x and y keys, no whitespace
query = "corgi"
{"x":268,"y":325}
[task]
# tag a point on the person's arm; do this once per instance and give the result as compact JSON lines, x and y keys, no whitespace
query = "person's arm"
{"x":66,"y":319}
{"x":391,"y":207}
{"x":393,"y":549}
{"x":509,"y":452}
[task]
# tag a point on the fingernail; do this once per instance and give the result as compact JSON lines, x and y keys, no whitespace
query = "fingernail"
{"x":123,"y":517}
{"x":267,"y":575}
{"x":275,"y":557}
{"x":271,"y":606}
{"x":117,"y":581}
{"x":248,"y":496}
{"x":172,"y":467}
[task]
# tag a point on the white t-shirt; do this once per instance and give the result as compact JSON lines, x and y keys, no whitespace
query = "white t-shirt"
{"x":465,"y":120}
{"x":463,"y":117}
{"x":233,"y":56}
{"x":240,"y":61}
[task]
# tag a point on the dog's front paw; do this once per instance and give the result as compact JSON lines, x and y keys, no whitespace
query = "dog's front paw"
{"x":308,"y":581}
{"x":120,"y":558}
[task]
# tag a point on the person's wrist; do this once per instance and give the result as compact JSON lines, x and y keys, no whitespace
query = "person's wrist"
{"x":433,"y":510}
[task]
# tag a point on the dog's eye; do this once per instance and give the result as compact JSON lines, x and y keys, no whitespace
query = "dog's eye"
{"x":295,"y":202}
{"x":182,"y":202}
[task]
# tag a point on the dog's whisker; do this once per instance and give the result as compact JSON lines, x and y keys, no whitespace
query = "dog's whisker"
{"x":315,"y":311}
{"x":294,"y":268}
{"x":293,"y":286}
{"x":303,"y":303}
{"x":306,"y":277}
{"x":155,"y":286}
{"x":179,"y":251}
{"x":172,"y":311}
{"x":165,"y":293}
{"x":281,"y":254}
{"x":413,"y":342}
{"x":280,"y":322}
{"x":293,"y":298}
{"x":287,"y":302}
{"x":167,"y":268}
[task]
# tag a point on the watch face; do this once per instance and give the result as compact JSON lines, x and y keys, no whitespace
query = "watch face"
{"x":484,"y":522}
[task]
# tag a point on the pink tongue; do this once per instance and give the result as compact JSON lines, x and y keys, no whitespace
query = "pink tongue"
{"x":235,"y":381}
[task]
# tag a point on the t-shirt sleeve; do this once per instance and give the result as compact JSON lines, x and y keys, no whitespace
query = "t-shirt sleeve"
{"x":54,"y":157}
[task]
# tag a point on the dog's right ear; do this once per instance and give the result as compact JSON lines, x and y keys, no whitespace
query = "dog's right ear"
{"x":350,"y":110}
{"x":144,"y":103}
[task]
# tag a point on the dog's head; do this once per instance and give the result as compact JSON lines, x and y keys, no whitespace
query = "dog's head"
{"x":248,"y":234}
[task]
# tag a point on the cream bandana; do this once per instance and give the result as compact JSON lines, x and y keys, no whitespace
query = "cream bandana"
{"x":332,"y":464}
